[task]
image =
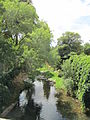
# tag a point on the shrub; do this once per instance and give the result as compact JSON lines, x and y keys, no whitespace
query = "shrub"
{"x":69,"y":86}
{"x":48,"y":74}
{"x":78,"y":69}
{"x":67,"y":69}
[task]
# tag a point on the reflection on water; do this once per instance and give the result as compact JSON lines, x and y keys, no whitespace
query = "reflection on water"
{"x":23,"y":101}
{"x":49,"y":109}
{"x":46,"y":89}
{"x":33,"y":111}
{"x":40,"y":103}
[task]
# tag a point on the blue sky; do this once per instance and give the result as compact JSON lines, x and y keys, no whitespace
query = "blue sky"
{"x":83,"y":0}
{"x":65,"y":15}
{"x":84,"y":20}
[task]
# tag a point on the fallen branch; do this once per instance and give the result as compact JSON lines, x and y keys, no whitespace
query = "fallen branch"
{"x":7,"y":110}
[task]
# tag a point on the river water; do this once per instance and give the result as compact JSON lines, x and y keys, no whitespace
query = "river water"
{"x":39,"y":103}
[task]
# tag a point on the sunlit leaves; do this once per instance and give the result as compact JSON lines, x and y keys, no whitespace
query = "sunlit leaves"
{"x":19,"y":18}
{"x":77,"y":68}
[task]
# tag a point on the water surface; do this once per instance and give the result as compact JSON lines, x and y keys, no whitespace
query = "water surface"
{"x":41,"y":103}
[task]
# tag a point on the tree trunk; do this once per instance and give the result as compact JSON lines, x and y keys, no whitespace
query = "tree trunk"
{"x":7,"y":110}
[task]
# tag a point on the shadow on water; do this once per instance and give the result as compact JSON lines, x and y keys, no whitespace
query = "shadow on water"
{"x":33,"y":111}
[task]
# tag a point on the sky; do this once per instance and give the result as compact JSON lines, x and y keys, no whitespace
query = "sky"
{"x":65,"y":15}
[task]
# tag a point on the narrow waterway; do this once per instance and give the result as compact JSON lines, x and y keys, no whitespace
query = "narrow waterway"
{"x":40,"y":103}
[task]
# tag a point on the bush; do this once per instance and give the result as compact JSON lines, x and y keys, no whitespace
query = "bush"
{"x":67,"y":69}
{"x":60,"y":74}
{"x":48,"y":74}
{"x":78,"y":69}
{"x":69,"y":86}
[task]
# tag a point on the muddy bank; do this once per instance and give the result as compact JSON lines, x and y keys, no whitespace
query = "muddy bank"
{"x":70,"y":107}
{"x":18,"y":85}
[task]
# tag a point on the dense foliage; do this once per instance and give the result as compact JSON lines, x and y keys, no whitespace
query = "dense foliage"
{"x":76,"y":71}
{"x":54,"y":57}
{"x":24,"y":43}
{"x":67,"y":43}
{"x":87,"y":48}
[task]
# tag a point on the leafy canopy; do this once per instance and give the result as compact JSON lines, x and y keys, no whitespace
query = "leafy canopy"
{"x":69,"y":42}
{"x":19,"y":18}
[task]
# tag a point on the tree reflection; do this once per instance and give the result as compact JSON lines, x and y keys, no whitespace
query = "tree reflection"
{"x":32,"y":111}
{"x":46,"y":89}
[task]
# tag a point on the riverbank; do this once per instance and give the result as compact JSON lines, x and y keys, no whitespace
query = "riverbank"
{"x":43,"y":102}
{"x":68,"y":104}
{"x":70,"y":107}
{"x":18,"y":85}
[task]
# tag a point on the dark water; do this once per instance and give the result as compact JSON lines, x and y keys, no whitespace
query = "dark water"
{"x":40,"y":103}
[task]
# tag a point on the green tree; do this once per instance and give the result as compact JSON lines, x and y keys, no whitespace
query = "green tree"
{"x":18,"y":19}
{"x":69,"y":42}
{"x":1,"y":8}
{"x":35,"y":48}
{"x":87,"y":48}
{"x":54,"y":57}
{"x":41,"y":39}
{"x":7,"y":55}
{"x":24,"y":43}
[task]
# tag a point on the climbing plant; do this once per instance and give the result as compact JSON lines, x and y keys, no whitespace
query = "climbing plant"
{"x":77,"y":68}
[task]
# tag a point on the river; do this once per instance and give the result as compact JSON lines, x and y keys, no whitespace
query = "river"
{"x":41,"y":103}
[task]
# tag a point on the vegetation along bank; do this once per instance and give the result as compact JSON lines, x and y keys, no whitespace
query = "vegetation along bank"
{"x":26,"y":49}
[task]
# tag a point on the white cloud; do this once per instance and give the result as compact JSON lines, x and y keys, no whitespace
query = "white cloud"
{"x":61,"y":15}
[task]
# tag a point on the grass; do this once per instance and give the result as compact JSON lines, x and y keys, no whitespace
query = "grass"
{"x":59,"y":81}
